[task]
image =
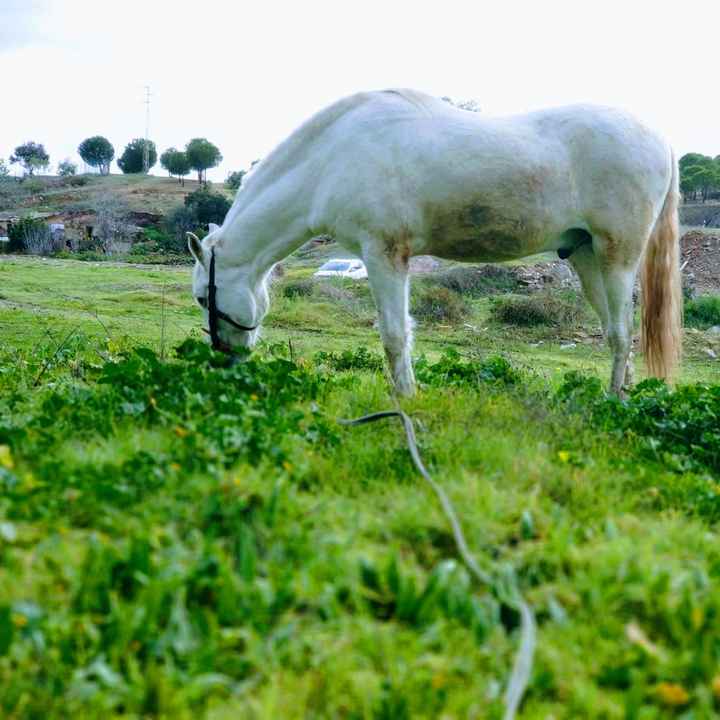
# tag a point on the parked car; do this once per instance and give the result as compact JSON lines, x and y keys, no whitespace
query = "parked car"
{"x":350,"y":268}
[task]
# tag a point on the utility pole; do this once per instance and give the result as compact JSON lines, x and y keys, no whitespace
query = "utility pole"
{"x":146,"y":146}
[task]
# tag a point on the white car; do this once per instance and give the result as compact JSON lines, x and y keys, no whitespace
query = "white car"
{"x":353,"y":269}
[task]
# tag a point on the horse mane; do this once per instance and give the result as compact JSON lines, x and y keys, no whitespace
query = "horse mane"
{"x":312,"y":129}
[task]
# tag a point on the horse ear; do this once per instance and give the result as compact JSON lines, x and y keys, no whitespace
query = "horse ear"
{"x":195,"y":247}
{"x":212,"y":227}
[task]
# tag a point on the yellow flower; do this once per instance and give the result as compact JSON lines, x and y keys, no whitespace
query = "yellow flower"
{"x":697,"y":617}
{"x":236,"y":481}
{"x":287,"y":466}
{"x":253,"y":397}
{"x":672,"y":694}
{"x":153,"y":402}
{"x":6,"y":458}
{"x":176,"y":467}
{"x":439,"y":681}
{"x":19,"y":620}
{"x":181,"y":432}
{"x":563,"y":456}
{"x":716,"y":687}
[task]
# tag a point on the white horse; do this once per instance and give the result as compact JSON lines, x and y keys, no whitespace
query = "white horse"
{"x":398,"y":173}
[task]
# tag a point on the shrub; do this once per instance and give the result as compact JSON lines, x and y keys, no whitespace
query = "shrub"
{"x":476,"y":281}
{"x":297,"y":288}
{"x":163,"y":241}
{"x":703,"y":312}
{"x":77,"y":181}
{"x":439,"y":304}
{"x":546,"y":308}
{"x":452,"y":369}
{"x":207,"y":206}
{"x":234,"y":179}
{"x":678,"y":427}
{"x":360,"y":359}
{"x":31,"y":236}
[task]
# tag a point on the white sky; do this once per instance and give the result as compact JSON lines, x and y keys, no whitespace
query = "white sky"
{"x":245,"y":74}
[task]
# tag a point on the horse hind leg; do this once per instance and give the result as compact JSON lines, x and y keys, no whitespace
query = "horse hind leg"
{"x":609,"y":287}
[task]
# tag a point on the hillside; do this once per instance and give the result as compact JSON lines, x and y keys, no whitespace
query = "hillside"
{"x":54,"y":195}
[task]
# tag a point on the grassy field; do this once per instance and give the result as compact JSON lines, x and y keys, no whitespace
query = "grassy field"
{"x":182,"y":539}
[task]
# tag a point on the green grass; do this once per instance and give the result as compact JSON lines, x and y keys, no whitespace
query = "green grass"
{"x":181,"y":541}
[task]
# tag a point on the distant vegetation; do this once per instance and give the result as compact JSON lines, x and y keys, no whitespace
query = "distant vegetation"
{"x":131,"y":161}
{"x":32,"y":156}
{"x":97,"y":152}
{"x":699,"y":176}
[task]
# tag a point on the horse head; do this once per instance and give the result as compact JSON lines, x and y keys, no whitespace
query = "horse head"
{"x":233,"y":305}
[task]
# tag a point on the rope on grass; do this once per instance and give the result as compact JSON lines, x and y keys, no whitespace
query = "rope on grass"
{"x":522,"y":665}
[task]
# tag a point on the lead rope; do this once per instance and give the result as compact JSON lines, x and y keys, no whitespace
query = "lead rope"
{"x":522,"y":665}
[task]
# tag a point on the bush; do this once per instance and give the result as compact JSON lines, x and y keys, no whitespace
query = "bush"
{"x":77,"y":181}
{"x":207,"y":206}
{"x":546,"y":308}
{"x":31,"y":236}
{"x":452,"y":369}
{"x":360,"y":359}
{"x":476,"y":281}
{"x":297,"y":288}
{"x":439,"y":304}
{"x":163,"y":241}
{"x":703,"y":312}
{"x":234,"y":179}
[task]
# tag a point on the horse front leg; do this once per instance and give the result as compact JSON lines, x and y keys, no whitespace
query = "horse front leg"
{"x":389,"y":283}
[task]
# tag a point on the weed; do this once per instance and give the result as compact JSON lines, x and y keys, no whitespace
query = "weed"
{"x":476,"y":281}
{"x":452,"y":369}
{"x":360,"y":359}
{"x":703,"y":312}
{"x":546,"y":308}
{"x":297,"y":288}
{"x":439,"y":304}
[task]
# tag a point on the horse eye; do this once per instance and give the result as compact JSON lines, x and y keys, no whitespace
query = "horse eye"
{"x":202,"y":301}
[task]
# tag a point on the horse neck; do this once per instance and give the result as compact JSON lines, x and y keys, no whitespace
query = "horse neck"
{"x":257,"y":243}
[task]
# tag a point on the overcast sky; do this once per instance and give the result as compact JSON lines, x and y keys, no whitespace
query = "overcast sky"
{"x":245,"y":74}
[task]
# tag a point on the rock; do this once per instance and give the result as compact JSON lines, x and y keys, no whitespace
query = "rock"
{"x":568,"y":346}
{"x":714,"y":330}
{"x":711,"y":353}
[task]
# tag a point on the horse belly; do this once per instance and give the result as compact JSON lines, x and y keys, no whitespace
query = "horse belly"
{"x":476,"y":232}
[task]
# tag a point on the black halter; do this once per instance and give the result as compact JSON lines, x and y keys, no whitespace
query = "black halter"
{"x":214,"y":314}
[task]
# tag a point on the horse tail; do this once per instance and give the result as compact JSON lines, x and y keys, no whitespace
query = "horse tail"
{"x":661,"y":288}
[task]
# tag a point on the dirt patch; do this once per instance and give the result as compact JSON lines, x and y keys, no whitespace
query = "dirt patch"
{"x":700,"y":262}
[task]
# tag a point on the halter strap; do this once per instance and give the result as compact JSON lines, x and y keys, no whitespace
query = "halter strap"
{"x":214,"y":314}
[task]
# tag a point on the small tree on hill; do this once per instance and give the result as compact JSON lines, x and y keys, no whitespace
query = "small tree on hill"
{"x":31,"y":156}
{"x":4,"y":169}
{"x":176,"y":163}
{"x":66,"y":168}
{"x":97,"y":152}
{"x":131,"y":161}
{"x":202,"y":154}
{"x":234,"y":179}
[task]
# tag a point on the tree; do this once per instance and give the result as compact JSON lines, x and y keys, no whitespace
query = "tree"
{"x":176,"y":163}
{"x":4,"y":169}
{"x":31,"y":156}
{"x":66,"y":168}
{"x":97,"y":152}
{"x":207,"y":207}
{"x":131,"y":161}
{"x":234,"y":179}
{"x":202,"y":155}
